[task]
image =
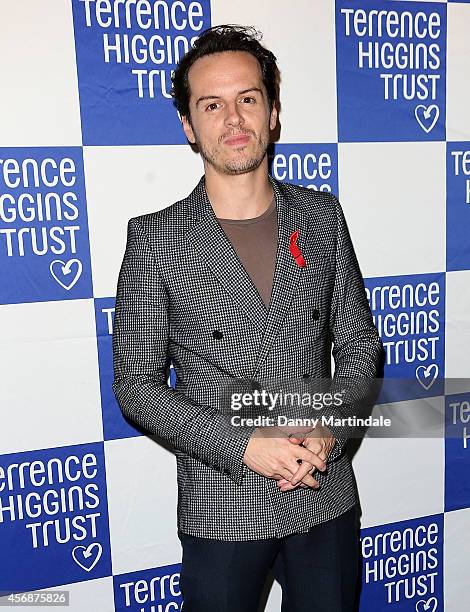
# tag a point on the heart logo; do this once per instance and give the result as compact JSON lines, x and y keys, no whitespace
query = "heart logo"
{"x":427,"y":375}
{"x":427,"y":116}
{"x":426,"y":605}
{"x":85,"y":557}
{"x":64,"y":270}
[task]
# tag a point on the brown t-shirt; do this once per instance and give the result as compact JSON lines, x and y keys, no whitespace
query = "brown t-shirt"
{"x":255,"y":242}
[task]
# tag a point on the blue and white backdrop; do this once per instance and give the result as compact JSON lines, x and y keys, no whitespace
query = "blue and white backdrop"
{"x":375,"y":107}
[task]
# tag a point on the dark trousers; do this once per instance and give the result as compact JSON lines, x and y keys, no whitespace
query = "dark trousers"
{"x":317,"y":571}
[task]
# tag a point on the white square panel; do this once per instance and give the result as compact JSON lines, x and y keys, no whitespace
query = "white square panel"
{"x":458,"y":69}
{"x":400,"y":478}
{"x":302,"y":37}
{"x":122,"y":182}
{"x":457,"y":324}
{"x":39,"y":102}
{"x":456,"y":555}
{"x":50,"y":385}
{"x":142,"y":497}
{"x":86,"y":595}
{"x":393,"y":196}
{"x":273,"y":604}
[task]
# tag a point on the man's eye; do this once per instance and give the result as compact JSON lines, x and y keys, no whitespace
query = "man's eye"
{"x":249,"y":98}
{"x":211,"y":106}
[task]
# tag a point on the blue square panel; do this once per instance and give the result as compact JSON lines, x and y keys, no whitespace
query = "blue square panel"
{"x":126,"y":52}
{"x":391,"y":67}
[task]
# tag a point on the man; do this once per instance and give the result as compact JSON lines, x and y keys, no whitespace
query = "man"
{"x":247,"y":279}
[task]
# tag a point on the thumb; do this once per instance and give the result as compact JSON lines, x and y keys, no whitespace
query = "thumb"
{"x":296,"y":439}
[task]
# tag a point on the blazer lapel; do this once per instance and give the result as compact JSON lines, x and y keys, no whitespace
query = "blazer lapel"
{"x":287,"y":272}
{"x":210,"y":243}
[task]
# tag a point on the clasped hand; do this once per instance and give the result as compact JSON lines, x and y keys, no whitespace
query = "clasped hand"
{"x":274,"y":453}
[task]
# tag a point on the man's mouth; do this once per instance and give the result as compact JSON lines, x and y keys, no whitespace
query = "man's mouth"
{"x":239,"y":139}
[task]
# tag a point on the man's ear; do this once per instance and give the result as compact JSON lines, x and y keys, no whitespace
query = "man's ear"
{"x":273,"y":117}
{"x":188,"y":130}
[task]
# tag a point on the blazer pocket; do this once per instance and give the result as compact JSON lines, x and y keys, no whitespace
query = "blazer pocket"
{"x":310,"y":325}
{"x":316,"y":262}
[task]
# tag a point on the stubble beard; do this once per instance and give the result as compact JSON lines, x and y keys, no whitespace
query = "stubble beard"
{"x":235,"y":166}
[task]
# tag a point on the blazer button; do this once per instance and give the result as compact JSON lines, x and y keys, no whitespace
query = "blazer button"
{"x":217,"y":334}
{"x":315,"y":314}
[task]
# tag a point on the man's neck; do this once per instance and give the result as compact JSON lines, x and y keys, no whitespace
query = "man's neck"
{"x":240,"y":196}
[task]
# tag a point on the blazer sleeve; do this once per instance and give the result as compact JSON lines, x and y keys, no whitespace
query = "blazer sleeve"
{"x":357,"y":347}
{"x":140,"y":350}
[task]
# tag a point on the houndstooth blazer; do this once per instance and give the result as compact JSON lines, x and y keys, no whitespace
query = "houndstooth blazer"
{"x":183,"y":295}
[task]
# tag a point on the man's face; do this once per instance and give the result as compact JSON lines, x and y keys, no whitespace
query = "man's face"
{"x":230,"y":118}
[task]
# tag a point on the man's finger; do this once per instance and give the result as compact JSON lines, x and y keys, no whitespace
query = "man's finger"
{"x":310,"y":457}
{"x":296,"y":439}
{"x":289,"y":487}
{"x":285,"y":473}
{"x":302,"y":473}
{"x":307,"y":479}
{"x":318,"y":446}
{"x":286,"y":485}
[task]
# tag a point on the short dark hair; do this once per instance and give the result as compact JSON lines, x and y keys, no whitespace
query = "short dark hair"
{"x":218,"y":39}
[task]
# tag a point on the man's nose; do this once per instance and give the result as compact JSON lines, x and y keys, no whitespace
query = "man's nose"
{"x":233,"y":115}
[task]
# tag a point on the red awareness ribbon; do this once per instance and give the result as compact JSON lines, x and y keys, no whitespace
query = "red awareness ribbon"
{"x":294,"y":249}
